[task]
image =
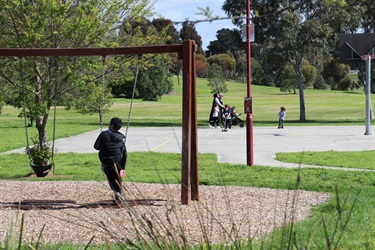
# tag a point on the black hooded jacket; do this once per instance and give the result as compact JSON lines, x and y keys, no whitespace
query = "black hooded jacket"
{"x":111,"y":148}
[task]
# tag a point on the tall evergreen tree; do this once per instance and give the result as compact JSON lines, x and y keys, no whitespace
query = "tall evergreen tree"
{"x":166,"y":28}
{"x":188,"y":32}
{"x":227,"y":40}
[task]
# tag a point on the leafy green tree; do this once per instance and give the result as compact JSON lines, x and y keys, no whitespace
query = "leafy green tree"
{"x":241,"y":65}
{"x":5,"y":94}
{"x":216,"y":79}
{"x":97,"y":100}
{"x":140,"y":31}
{"x":154,"y":81}
{"x":227,"y":40}
{"x":265,"y":16}
{"x":226,"y":61}
{"x":337,"y":75}
{"x":298,"y":37}
{"x":308,"y":73}
{"x":289,"y":77}
{"x":154,"y":78}
{"x":287,"y":32}
{"x":167,"y":29}
{"x":2,"y":103}
{"x":56,"y":24}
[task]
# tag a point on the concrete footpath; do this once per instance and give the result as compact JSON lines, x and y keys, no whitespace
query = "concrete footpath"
{"x":231,"y":146}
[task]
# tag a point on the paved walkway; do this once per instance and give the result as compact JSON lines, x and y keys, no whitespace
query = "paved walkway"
{"x":231,"y":146}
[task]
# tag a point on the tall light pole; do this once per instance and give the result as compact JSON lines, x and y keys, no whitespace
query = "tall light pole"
{"x":248,"y":100}
{"x":368,"y":58}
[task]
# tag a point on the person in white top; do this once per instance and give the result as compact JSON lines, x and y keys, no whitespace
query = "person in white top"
{"x":215,"y":116}
{"x":282,"y":114}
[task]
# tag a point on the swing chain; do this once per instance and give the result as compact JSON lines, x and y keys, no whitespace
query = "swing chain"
{"x":24,"y":103}
{"x":54,"y":120}
{"x":101,"y":112}
{"x":133,"y":94}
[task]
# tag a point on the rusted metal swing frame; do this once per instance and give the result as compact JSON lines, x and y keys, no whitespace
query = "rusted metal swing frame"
{"x":186,"y":52}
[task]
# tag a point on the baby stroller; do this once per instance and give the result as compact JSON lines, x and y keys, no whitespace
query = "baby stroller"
{"x":235,"y":118}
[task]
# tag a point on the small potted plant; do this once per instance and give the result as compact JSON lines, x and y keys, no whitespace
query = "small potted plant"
{"x":40,"y":158}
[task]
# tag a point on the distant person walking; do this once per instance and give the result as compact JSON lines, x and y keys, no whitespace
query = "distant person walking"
{"x":217,"y":100}
{"x":215,"y":116}
{"x":282,"y":114}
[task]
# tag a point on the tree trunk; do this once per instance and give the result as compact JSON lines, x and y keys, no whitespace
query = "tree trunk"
{"x":41,"y":120}
{"x":302,"y":113}
{"x":41,"y":124}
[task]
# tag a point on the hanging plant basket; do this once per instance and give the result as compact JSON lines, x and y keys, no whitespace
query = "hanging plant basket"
{"x":41,"y":171}
{"x":41,"y":159}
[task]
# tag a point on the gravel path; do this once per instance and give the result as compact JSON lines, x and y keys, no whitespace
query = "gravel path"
{"x":76,"y":212}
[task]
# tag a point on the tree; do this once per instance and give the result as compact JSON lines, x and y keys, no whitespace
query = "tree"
{"x":188,"y":32}
{"x":56,"y":24}
{"x":167,"y":29}
{"x":288,"y":79}
{"x":226,"y":62}
{"x":154,"y":81}
{"x":287,"y":32}
{"x":241,"y":65}
{"x":216,"y":79}
{"x":337,"y":75}
{"x":265,"y":16}
{"x":299,"y":37}
{"x":175,"y":66}
{"x":93,"y":103}
{"x":289,"y":76}
{"x":227,"y":40}
{"x":308,"y":73}
{"x":201,"y":65}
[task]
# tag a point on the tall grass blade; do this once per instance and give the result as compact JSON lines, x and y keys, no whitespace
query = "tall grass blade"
{"x":89,"y":243}
{"x":21,"y":231}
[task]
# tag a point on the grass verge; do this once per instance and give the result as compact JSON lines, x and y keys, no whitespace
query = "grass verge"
{"x":347,"y":159}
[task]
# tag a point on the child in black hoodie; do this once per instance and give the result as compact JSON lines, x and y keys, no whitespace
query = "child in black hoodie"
{"x":113,"y":155}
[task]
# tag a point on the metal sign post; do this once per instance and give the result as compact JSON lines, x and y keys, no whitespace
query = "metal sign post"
{"x":249,"y":116}
{"x":353,"y":49}
{"x":368,"y":58}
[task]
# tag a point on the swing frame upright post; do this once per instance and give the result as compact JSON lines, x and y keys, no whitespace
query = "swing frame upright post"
{"x":186,"y":52}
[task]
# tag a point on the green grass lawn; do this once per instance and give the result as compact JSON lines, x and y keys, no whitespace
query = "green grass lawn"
{"x":360,"y":159}
{"x":323,"y":107}
{"x":335,"y":221}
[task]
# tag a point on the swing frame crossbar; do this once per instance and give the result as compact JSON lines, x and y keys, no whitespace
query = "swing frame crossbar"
{"x":186,"y":52}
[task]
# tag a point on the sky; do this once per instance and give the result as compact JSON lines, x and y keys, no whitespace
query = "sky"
{"x":180,"y":10}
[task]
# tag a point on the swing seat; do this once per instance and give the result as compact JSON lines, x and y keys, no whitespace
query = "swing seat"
{"x":41,"y":171}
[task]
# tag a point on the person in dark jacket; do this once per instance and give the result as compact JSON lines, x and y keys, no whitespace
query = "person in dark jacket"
{"x":113,"y":155}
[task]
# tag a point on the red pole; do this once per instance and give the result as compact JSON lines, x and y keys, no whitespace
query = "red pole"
{"x":186,"y":124}
{"x":249,"y":116}
{"x":194,"y":179}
